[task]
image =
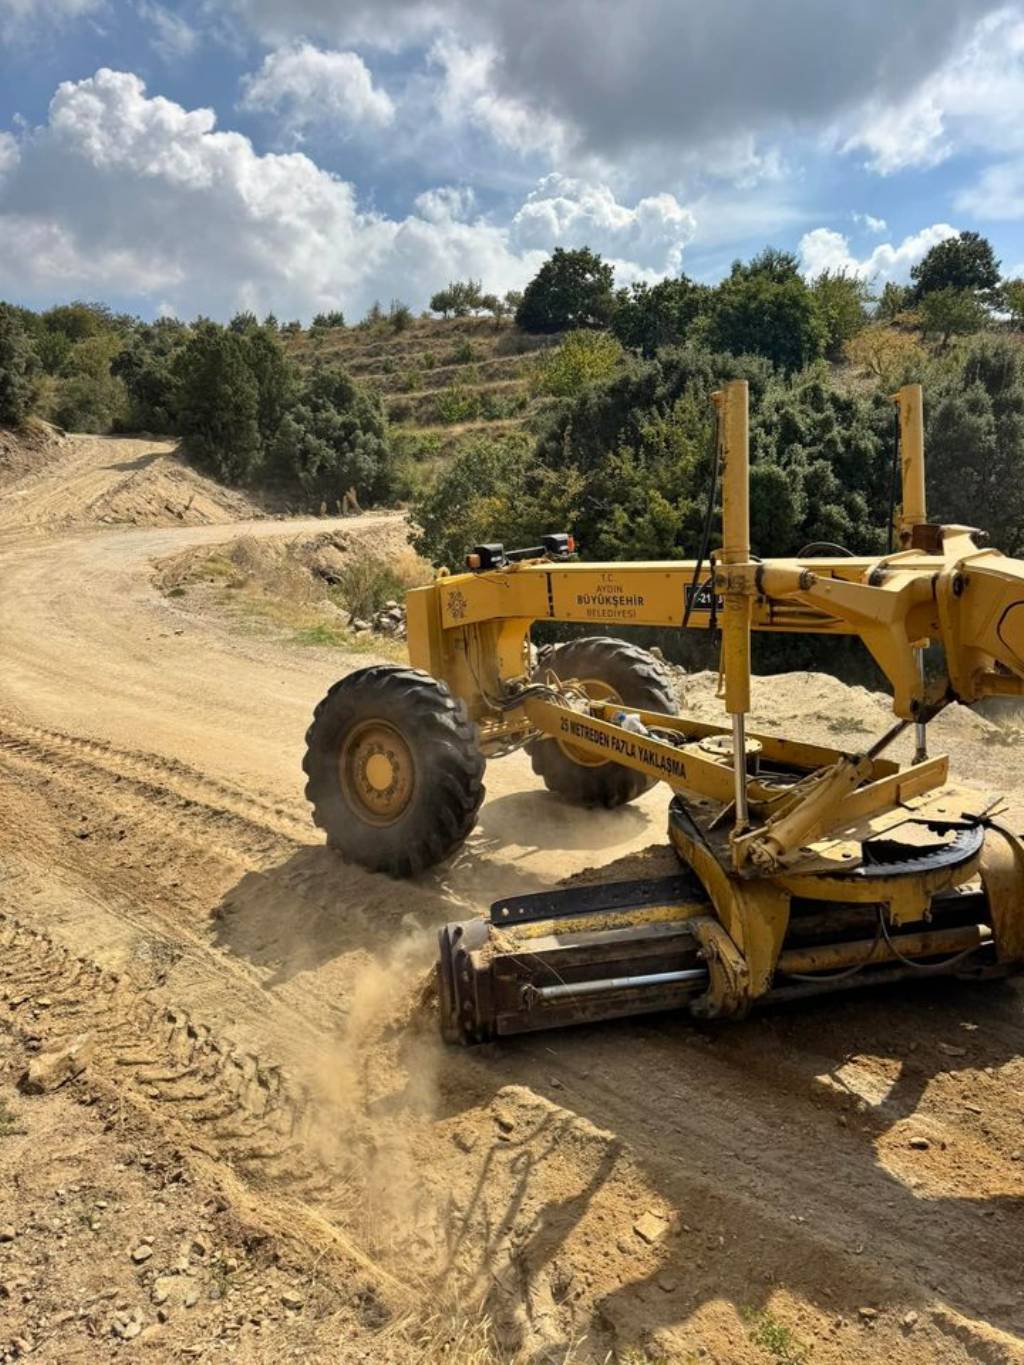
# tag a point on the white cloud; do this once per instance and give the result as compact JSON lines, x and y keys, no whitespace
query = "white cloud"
{"x":173,"y":36}
{"x":825,"y":249}
{"x":130,"y":193}
{"x":566,"y":212}
{"x":310,"y":86}
{"x":975,"y":99}
{"x":469,"y":93}
{"x":9,"y":154}
{"x":446,"y":203}
{"x":998,"y":192}
{"x":870,"y":223}
{"x":24,"y":20}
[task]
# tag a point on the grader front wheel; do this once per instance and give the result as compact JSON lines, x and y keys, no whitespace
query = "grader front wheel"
{"x":607,"y":670}
{"x":395,"y":776}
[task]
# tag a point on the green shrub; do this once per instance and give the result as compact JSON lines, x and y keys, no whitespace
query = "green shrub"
{"x":456,"y":404}
{"x":365,"y":584}
{"x":462,"y":353}
{"x":582,"y":359}
{"x":18,"y":365}
{"x":219,"y":404}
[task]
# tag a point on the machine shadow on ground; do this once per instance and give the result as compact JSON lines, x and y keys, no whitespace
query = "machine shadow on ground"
{"x":754,"y":1108}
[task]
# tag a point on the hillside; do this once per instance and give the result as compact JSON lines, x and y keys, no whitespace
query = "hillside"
{"x":442,"y":380}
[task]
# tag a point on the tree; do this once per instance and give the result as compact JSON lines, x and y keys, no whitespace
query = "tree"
{"x":18,"y":365}
{"x":335,"y":318}
{"x":648,"y":317}
{"x":841,"y":301}
{"x":966,"y":261}
{"x":276,"y":380}
{"x":893,"y":300}
{"x":244,"y":322}
{"x":335,"y":437}
{"x":765,"y":308}
{"x":497,"y":307}
{"x":892,"y":355}
{"x":458,"y":299}
{"x":946,"y":313}
{"x":90,"y":395}
{"x":571,"y":289}
{"x":146,"y":365}
{"x":219,"y":403}
{"x":399,"y":315}
{"x":974,"y":436}
{"x":1013,"y":293}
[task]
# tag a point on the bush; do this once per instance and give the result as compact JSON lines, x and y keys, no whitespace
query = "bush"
{"x":399,"y":316}
{"x":571,"y":289}
{"x":459,"y":299}
{"x":648,"y":317}
{"x":946,"y":313}
{"x":974,"y":442}
{"x":765,"y":308}
{"x":366,"y":584}
{"x":462,"y":353}
{"x":146,"y":366}
{"x":582,"y":359}
{"x":18,"y":365}
{"x":334,"y":437}
{"x":841,"y":301}
{"x":219,"y":404}
{"x":456,"y":404}
{"x":330,"y":320}
{"x":893,"y":357}
{"x":488,"y":491}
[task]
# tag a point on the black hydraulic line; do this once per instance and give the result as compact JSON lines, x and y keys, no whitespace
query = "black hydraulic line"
{"x":705,"y":539}
{"x":894,"y":471}
{"x":824,"y":545}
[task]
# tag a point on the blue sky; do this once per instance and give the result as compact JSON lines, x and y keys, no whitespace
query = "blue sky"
{"x":297,"y":155}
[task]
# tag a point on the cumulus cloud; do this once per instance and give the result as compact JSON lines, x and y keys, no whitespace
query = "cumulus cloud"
{"x":565,"y":212}
{"x":309,"y":86}
{"x":132,"y":193}
{"x":825,"y":249}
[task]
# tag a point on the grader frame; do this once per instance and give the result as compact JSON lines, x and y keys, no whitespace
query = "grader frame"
{"x":805,"y":867}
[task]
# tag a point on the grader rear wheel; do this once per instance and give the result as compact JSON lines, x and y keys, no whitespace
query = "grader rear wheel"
{"x":395,"y":773}
{"x":608,"y":670}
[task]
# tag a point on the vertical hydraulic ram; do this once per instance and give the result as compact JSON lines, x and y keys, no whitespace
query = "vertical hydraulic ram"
{"x":732,"y":403}
{"x":910,"y":401}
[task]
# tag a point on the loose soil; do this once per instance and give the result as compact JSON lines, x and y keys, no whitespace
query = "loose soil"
{"x":268,"y":1107}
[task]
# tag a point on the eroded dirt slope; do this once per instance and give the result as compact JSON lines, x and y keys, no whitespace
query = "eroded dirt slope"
{"x":836,"y":1183}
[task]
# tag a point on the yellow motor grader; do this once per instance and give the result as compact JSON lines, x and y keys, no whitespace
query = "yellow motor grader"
{"x":802,"y":869}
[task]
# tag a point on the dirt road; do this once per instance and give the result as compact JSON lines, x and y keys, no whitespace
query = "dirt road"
{"x":839,"y":1182}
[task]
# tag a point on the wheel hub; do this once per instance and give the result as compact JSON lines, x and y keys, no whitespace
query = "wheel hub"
{"x":596,"y":691}
{"x":377,"y":772}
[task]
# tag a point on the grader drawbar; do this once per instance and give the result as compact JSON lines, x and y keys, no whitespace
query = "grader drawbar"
{"x":802,"y":869}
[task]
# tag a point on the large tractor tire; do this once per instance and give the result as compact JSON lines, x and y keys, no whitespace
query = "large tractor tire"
{"x":609,"y":670}
{"x":395,"y":772}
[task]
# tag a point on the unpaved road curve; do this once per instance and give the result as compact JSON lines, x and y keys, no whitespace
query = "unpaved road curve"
{"x":152,"y":821}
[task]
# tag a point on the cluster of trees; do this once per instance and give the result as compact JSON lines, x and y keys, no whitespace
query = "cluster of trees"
{"x":465,"y":298}
{"x":246,"y":412}
{"x":626,"y":466}
{"x":766,"y":307}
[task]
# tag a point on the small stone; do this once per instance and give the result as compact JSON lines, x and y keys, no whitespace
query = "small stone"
{"x":7,"y":1233}
{"x":291,"y":1300}
{"x":464,"y":1139}
{"x":868,"y":1314}
{"x":909,"y":1321}
{"x":191,"y":1298}
{"x":199,"y":1245}
{"x":668,"y":1283}
{"x":650,"y":1227}
{"x":951,"y":1050}
{"x":919,"y":1144}
{"x":505,"y":1122}
{"x":142,"y":1253}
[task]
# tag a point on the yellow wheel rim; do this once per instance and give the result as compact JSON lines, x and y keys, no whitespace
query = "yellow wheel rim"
{"x":377,"y":772}
{"x":599,"y":691}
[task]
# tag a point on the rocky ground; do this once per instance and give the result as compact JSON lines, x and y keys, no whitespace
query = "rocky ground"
{"x":267,"y":1152}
